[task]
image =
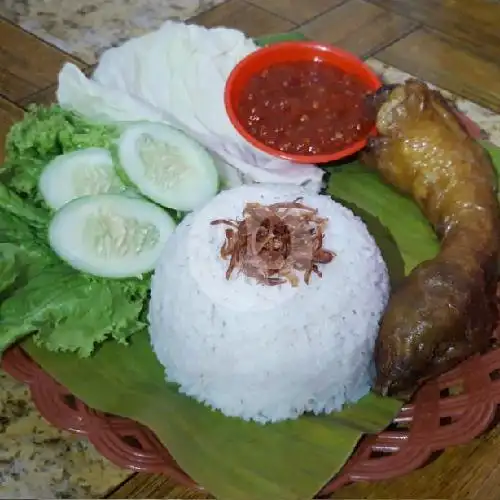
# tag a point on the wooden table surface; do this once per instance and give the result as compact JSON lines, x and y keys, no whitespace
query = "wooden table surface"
{"x":452,"y":43}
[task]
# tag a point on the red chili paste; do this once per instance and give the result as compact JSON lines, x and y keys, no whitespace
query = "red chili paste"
{"x":305,"y":107}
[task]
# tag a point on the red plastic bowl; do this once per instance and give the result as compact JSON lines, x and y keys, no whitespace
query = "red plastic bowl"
{"x":265,"y":57}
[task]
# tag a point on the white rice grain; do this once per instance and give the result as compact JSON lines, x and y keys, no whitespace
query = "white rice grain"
{"x":268,"y":353}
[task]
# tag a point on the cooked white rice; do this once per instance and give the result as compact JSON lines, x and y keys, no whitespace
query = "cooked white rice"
{"x":268,"y":353}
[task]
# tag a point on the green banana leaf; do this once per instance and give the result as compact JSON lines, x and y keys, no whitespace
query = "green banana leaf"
{"x":403,"y":235}
{"x":234,"y":459}
{"x":231,"y":458}
{"x":279,"y":37}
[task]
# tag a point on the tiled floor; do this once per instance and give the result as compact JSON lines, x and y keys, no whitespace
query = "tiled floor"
{"x":452,"y":43}
{"x":87,"y":27}
{"x":455,"y":44}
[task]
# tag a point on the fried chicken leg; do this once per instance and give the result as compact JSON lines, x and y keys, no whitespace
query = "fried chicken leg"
{"x":444,"y":311}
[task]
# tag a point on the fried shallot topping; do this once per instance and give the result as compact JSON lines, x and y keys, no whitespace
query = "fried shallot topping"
{"x":275,"y":242}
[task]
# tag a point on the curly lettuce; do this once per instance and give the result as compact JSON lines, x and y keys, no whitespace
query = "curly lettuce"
{"x":40,"y":295}
{"x":44,"y":134}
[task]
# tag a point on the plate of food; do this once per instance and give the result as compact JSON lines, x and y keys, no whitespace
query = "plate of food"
{"x":258,"y":314}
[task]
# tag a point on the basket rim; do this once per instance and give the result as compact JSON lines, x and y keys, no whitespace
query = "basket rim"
{"x":439,"y":416}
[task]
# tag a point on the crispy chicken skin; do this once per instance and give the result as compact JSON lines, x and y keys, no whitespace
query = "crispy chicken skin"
{"x":444,"y":311}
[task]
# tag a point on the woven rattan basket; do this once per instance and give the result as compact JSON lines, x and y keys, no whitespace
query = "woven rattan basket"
{"x":454,"y":409}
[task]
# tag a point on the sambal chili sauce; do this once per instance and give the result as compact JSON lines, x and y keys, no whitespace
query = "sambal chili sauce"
{"x":305,"y":107}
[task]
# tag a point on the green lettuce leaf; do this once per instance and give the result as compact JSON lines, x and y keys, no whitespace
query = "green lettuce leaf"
{"x":69,"y":311}
{"x":24,"y":251}
{"x":43,"y":134}
{"x":64,"y":309}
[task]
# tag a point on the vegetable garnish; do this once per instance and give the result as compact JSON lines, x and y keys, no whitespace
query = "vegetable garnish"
{"x":73,"y":175}
{"x":167,"y":166}
{"x":271,"y":243}
{"x":110,"y":235}
{"x":42,"y":135}
{"x":41,"y":294}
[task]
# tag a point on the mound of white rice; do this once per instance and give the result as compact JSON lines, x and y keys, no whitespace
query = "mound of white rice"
{"x":268,"y":353}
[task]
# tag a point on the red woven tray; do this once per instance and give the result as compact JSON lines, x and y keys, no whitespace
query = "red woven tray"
{"x":452,"y":410}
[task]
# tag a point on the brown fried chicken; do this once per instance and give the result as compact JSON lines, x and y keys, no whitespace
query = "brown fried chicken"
{"x":444,"y":311}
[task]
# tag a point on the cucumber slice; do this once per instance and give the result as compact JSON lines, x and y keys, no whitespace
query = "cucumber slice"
{"x":167,"y":166}
{"x":81,"y":173}
{"x":110,"y":235}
